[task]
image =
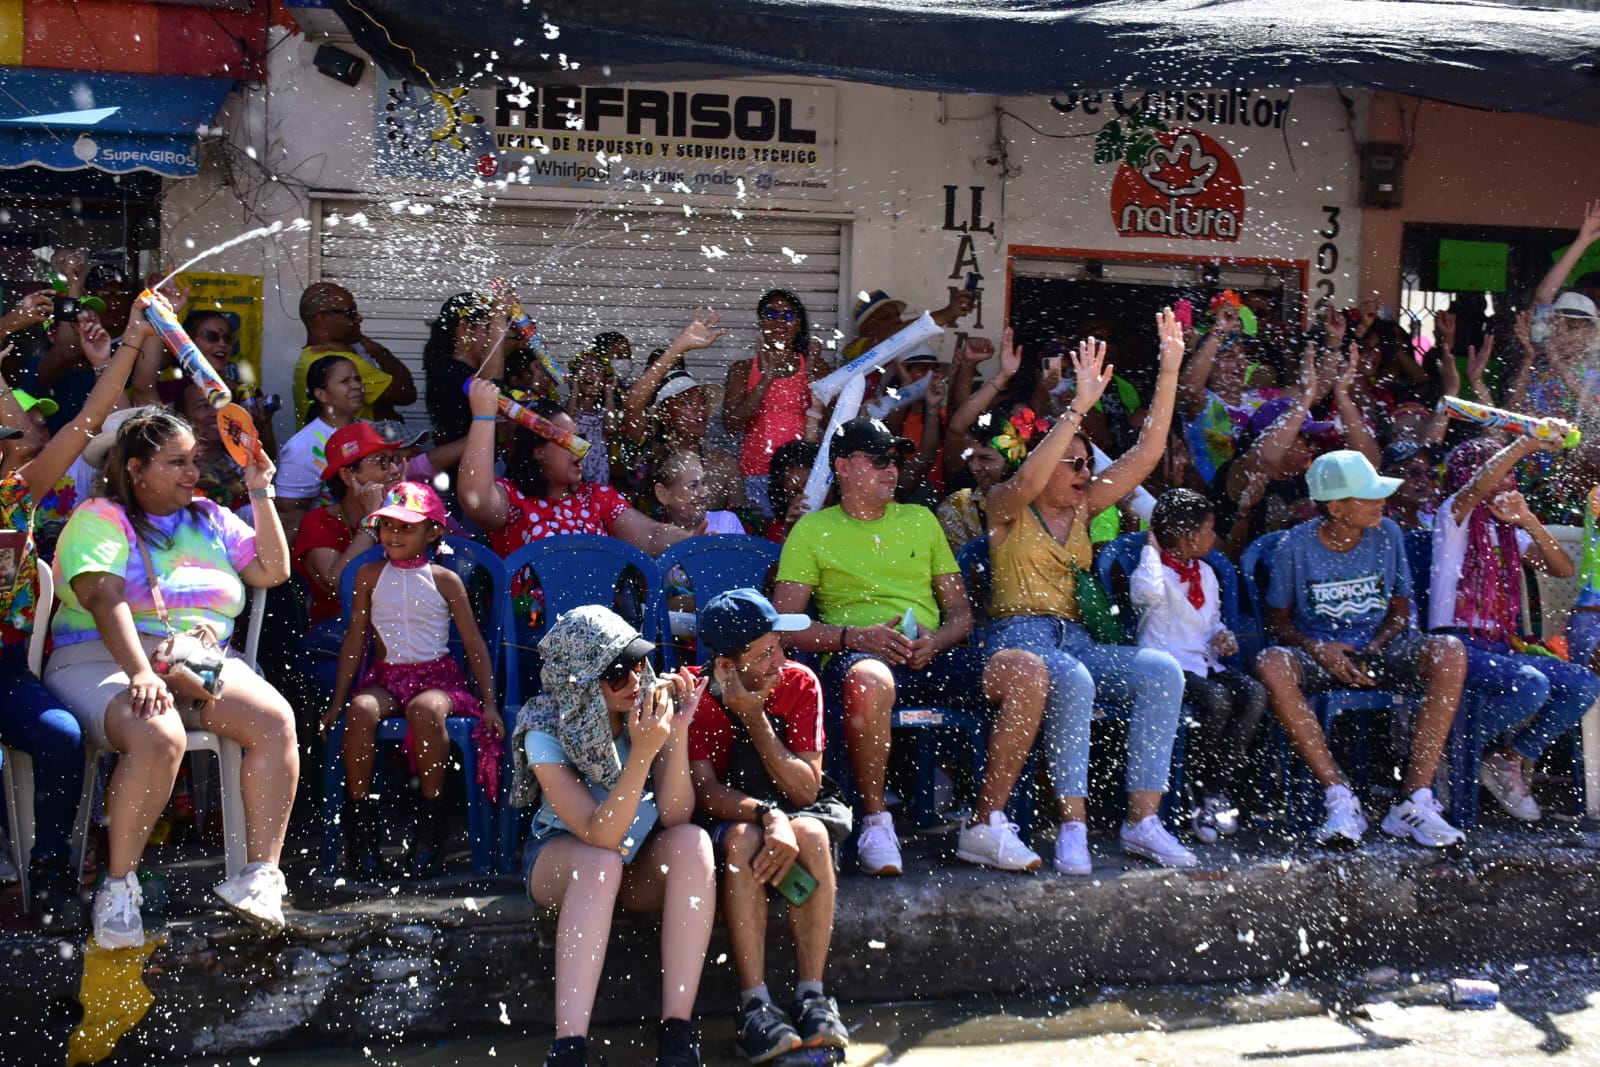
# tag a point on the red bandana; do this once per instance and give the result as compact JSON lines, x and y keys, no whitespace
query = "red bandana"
{"x":1189,"y":574}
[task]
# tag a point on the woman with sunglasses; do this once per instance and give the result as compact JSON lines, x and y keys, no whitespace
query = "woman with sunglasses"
{"x":1039,"y":552}
{"x":766,"y":398}
{"x":603,"y":751}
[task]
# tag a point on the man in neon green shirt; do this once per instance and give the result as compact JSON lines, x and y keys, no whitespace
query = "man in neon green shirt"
{"x":333,"y":326}
{"x":868,"y":562}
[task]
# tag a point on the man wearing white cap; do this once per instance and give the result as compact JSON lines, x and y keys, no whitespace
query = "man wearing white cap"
{"x":1339,"y":614}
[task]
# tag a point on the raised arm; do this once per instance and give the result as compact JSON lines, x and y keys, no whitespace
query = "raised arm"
{"x":1135,"y":465}
{"x":1588,"y":232}
{"x":979,"y":400}
{"x":739,"y":402}
{"x":483,"y":500}
{"x":1356,"y":433}
{"x":1493,"y":473}
{"x":1267,"y":453}
{"x":701,"y":332}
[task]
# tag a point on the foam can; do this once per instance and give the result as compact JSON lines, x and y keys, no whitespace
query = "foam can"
{"x":1544,"y":429}
{"x":534,"y":422}
{"x":183,"y":349}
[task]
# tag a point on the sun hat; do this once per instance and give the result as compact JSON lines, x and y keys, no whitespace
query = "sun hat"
{"x":408,"y":502}
{"x":872,"y":302}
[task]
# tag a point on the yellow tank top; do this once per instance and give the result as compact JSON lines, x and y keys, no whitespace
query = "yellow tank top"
{"x":1031,"y":573}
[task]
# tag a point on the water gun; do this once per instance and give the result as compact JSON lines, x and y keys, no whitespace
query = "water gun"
{"x":183,"y":349}
{"x":1544,"y":429}
{"x":536,"y":423}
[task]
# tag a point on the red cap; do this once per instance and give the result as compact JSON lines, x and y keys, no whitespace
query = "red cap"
{"x":349,"y":445}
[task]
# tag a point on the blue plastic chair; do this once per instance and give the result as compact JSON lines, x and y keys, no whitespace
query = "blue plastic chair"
{"x":714,"y":564}
{"x":571,"y":570}
{"x":471,"y":561}
{"x":1302,"y":795}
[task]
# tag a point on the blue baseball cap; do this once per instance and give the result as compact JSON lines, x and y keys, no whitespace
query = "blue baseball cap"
{"x":1347,"y":474}
{"x":732,"y":620}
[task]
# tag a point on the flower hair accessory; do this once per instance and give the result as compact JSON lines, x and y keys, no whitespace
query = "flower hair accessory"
{"x":1018,"y":433}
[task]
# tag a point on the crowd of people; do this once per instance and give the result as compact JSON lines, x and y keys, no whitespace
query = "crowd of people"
{"x":664,"y":793}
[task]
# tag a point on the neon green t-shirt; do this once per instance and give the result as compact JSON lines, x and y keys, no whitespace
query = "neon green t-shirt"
{"x":865,"y":573}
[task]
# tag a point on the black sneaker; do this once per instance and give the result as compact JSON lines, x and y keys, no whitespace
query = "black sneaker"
{"x":676,"y":1045}
{"x":57,"y":904}
{"x":568,"y":1052}
{"x":764,"y":1031}
{"x":818,"y":1023}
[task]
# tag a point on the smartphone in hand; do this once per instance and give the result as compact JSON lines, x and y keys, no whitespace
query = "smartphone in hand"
{"x":796,"y":886}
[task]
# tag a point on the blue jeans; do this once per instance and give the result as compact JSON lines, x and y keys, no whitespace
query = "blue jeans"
{"x":1547,"y":694}
{"x":34,"y":721}
{"x":1148,"y":682}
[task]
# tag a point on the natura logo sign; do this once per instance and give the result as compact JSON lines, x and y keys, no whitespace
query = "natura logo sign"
{"x":1185,"y":186}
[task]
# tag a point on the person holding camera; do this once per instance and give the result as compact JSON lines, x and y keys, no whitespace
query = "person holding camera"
{"x":755,"y":754}
{"x":150,"y":579}
{"x":603,"y":752}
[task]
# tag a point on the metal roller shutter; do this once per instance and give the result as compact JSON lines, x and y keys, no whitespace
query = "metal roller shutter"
{"x":579,"y":271}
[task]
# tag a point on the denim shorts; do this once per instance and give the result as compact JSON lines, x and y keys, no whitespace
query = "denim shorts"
{"x":540,"y":837}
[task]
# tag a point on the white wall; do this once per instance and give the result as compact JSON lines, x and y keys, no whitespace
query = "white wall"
{"x":896,"y":152}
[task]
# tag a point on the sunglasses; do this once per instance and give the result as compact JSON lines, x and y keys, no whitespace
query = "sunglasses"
{"x":349,"y":312}
{"x":880,"y":462}
{"x":1079,"y":464}
{"x":786,"y":314}
{"x":618,"y":673}
{"x":214,"y":336}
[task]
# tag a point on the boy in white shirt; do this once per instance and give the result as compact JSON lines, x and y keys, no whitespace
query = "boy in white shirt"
{"x":1174,"y":593}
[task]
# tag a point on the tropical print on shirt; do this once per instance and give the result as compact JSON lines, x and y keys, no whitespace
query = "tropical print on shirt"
{"x":207,"y":546}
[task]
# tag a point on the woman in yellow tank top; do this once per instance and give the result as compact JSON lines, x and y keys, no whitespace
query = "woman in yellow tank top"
{"x":1038,"y":544}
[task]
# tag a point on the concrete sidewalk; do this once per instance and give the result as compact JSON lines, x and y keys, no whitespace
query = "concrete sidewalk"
{"x":364,"y":964}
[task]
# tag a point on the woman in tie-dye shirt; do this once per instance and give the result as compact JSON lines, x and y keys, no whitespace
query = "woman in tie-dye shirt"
{"x":149,"y":524}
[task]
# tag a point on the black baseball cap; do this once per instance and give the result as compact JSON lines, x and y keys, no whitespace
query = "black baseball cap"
{"x":863,"y":434}
{"x":1401,"y":451}
{"x":733,"y":619}
{"x":631,"y":653}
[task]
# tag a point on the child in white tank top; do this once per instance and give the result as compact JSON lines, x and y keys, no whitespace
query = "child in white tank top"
{"x":407,"y":603}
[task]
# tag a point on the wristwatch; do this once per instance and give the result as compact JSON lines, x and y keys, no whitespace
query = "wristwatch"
{"x":765,"y":808}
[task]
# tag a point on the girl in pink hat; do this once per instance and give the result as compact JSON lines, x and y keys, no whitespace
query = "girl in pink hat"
{"x":411,"y":602}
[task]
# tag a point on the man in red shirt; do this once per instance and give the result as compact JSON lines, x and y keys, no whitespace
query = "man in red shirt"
{"x":755,"y":754}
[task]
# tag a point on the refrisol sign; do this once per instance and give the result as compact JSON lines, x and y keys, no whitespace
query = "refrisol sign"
{"x":1185,"y":185}
{"x":733,"y":138}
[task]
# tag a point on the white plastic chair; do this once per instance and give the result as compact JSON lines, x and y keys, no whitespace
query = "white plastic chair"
{"x":230,"y":757}
{"x":1556,"y":598}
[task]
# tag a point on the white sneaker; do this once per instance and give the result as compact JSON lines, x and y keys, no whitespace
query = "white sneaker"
{"x":1072,"y":849}
{"x":1345,"y":823}
{"x":995,"y":844}
{"x":116,"y":913}
{"x":256,"y":893}
{"x":1148,"y":839}
{"x":878,"y":849}
{"x":1418,"y":818}
{"x":1502,"y":777}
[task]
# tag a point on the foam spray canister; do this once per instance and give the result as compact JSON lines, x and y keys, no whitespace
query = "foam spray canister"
{"x":183,"y":349}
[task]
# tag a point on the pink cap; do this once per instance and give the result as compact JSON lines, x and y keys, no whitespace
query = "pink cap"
{"x":409,"y":502}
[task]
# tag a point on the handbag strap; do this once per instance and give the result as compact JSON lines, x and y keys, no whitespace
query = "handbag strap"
{"x":155,"y":589}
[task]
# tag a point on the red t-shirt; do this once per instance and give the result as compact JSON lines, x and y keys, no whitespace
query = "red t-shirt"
{"x":321,"y":528}
{"x":796,"y":702}
{"x":590,"y":509}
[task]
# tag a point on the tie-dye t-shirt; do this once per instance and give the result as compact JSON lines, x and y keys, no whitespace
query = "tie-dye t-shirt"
{"x":199,"y":570}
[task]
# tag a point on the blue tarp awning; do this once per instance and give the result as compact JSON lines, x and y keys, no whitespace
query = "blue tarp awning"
{"x":1503,"y":55}
{"x":68,"y":120}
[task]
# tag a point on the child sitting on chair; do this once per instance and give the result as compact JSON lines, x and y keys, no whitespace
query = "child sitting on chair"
{"x":410,"y":602}
{"x":1180,"y":612}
